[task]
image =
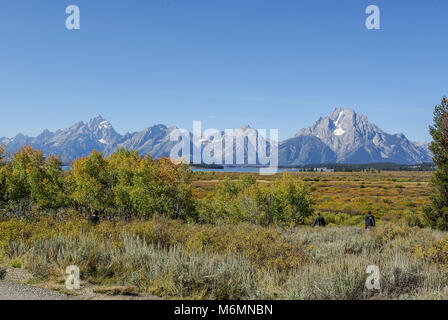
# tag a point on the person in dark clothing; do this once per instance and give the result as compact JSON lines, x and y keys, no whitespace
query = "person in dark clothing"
{"x":319,"y":221}
{"x":369,"y":220}
{"x":94,"y":219}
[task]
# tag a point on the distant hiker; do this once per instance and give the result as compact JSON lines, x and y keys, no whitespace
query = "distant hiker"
{"x":369,"y":220}
{"x":319,"y":221}
{"x":94,"y":219}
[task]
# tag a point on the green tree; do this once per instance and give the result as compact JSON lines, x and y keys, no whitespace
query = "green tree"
{"x":285,"y":201}
{"x":124,"y":165}
{"x":437,"y":213}
{"x":33,"y":180}
{"x":91,"y":182}
{"x":127,"y":185}
{"x":232,"y":201}
{"x":3,"y":172}
{"x":24,"y":162}
{"x":162,"y":187}
{"x":49,"y":188}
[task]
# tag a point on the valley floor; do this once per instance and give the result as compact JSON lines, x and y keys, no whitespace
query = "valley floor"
{"x":174,"y":260}
{"x":171,"y":259}
{"x":345,"y":197}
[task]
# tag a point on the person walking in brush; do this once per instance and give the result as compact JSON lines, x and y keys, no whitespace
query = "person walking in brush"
{"x":319,"y":221}
{"x":369,"y":220}
{"x":94,"y":219}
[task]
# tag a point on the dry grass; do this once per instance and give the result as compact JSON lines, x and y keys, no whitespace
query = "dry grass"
{"x":175,"y":260}
{"x":172,"y":259}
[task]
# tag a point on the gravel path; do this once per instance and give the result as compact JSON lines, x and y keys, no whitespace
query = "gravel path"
{"x":14,"y":291}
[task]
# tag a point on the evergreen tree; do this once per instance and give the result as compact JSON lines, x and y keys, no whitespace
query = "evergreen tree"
{"x":437,"y":212}
{"x":3,"y":172}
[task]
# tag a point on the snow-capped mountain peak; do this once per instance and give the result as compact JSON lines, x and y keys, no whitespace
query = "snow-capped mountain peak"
{"x":343,"y":136}
{"x":353,"y":139}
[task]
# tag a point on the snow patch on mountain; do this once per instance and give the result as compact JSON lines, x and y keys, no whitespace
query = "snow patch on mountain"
{"x":339,"y":131}
{"x":104,"y":124}
{"x":353,"y":139}
{"x":343,"y":137}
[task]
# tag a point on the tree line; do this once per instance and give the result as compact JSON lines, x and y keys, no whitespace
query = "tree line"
{"x":126,"y":185}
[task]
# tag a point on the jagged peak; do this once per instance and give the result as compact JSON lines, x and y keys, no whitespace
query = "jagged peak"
{"x":76,"y":125}
{"x":156,"y":127}
{"x":162,"y":126}
{"x":20,"y":136}
{"x":152,"y":130}
{"x":99,"y":121}
{"x":339,"y":112}
{"x":341,"y":136}
{"x":44,"y":134}
{"x":245,"y":127}
{"x":99,"y":117}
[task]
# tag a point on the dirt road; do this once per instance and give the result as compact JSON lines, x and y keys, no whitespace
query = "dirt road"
{"x":14,"y":291}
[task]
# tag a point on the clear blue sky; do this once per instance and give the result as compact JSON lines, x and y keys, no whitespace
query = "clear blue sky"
{"x":268,"y":63}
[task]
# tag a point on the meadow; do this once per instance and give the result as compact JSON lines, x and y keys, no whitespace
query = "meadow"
{"x":173,"y":258}
{"x":344,"y":198}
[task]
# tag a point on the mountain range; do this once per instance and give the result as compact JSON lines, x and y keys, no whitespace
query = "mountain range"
{"x":342,"y":137}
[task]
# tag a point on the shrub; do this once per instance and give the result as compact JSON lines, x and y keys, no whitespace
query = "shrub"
{"x":2,"y":272}
{"x":284,"y":202}
{"x":237,"y":261}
